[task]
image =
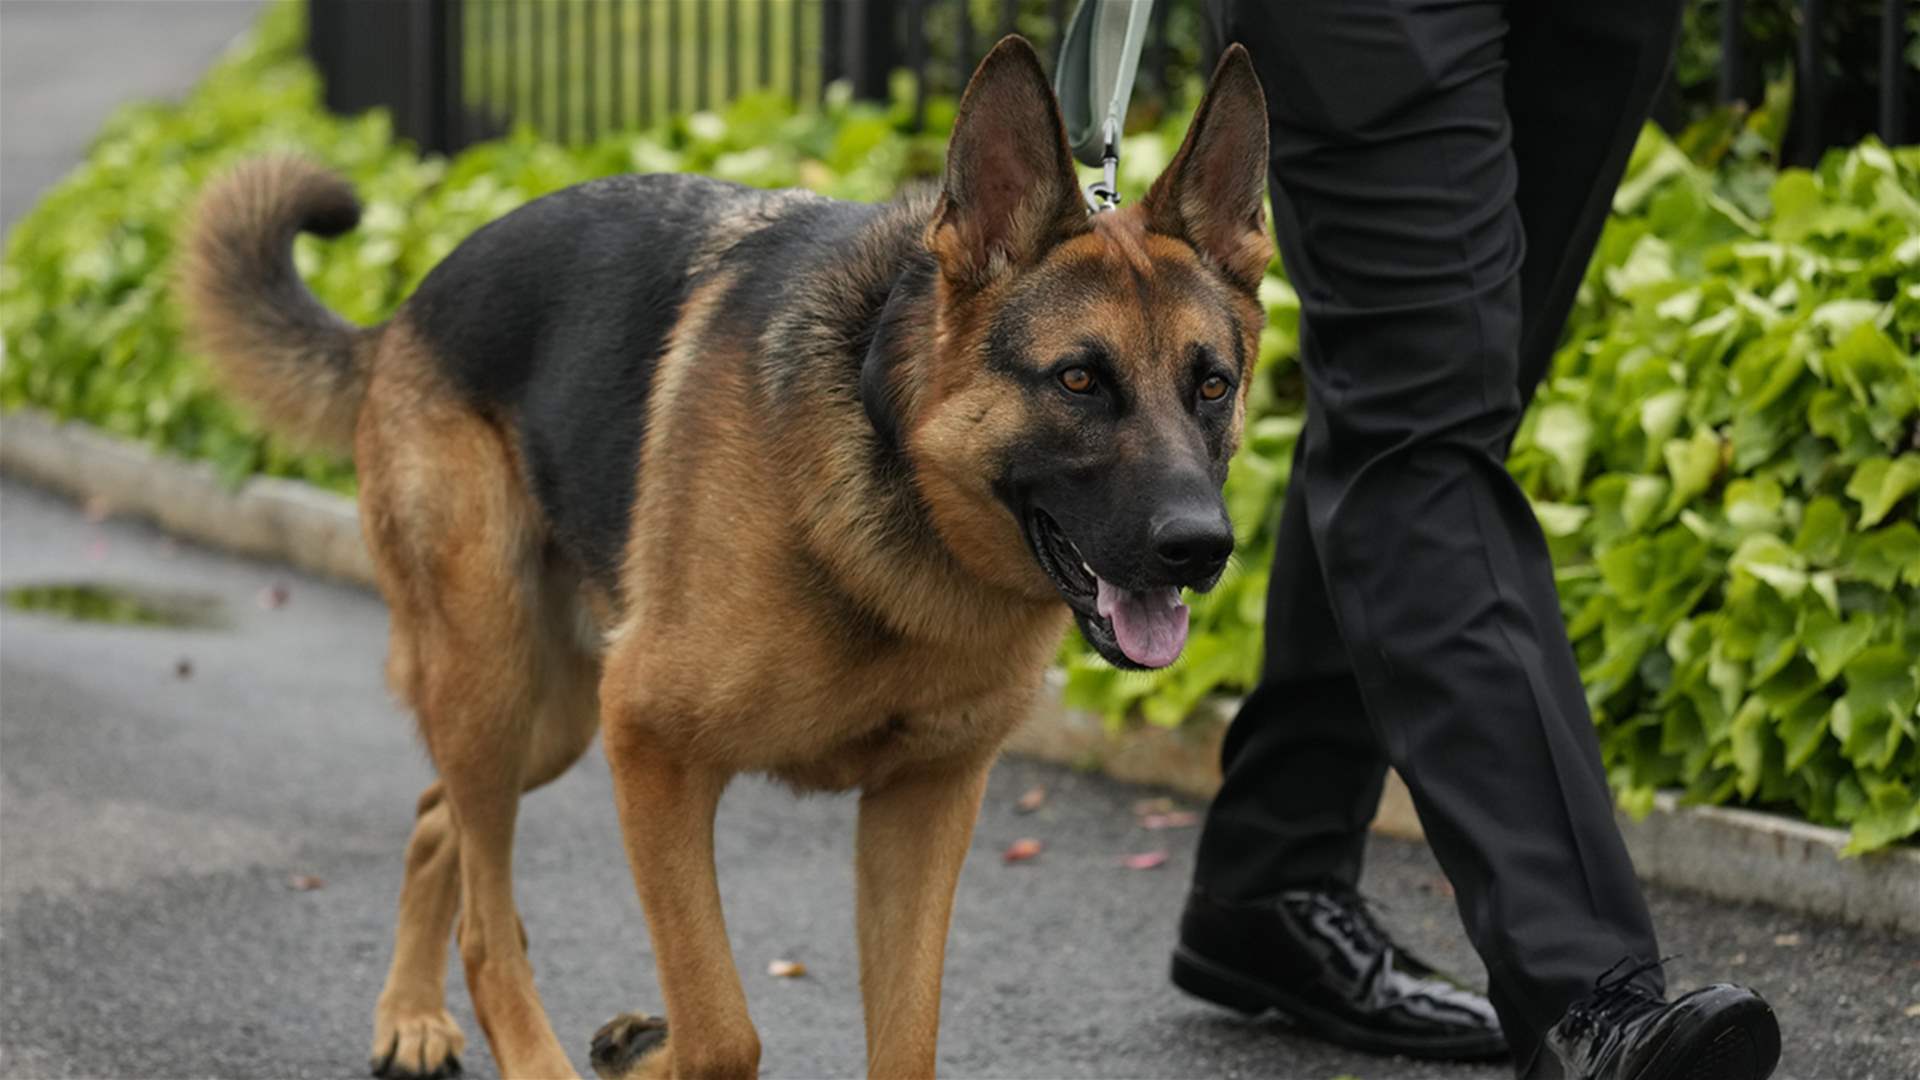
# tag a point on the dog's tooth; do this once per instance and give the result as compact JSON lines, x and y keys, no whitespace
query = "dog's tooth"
{"x":1087,"y":568}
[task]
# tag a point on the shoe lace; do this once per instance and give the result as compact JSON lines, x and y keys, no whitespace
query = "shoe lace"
{"x":1616,"y":996}
{"x":1353,"y":914}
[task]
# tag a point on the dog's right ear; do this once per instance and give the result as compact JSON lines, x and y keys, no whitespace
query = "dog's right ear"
{"x":1011,"y":192}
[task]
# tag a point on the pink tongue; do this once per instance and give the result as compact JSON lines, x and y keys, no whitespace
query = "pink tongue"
{"x":1151,"y":626}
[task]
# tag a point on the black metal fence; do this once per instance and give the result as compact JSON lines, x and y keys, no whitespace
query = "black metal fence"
{"x":457,"y":71}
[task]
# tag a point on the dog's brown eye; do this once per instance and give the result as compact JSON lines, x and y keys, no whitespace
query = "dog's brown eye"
{"x":1077,"y":379}
{"x":1214,"y":388}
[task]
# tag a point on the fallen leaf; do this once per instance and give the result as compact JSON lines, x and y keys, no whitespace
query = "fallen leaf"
{"x":1034,"y":799}
{"x":274,"y":596}
{"x":1162,"y":805}
{"x":1021,"y":850}
{"x":1176,"y":819}
{"x":1145,"y":860}
{"x":183,"y":668}
{"x":97,"y":509}
{"x":786,"y":969}
{"x":304,"y":883}
{"x":1739,"y":960}
{"x":1913,"y":1010}
{"x":1786,"y":940}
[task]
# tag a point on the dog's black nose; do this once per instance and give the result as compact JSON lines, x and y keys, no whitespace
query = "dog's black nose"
{"x":1192,"y":545}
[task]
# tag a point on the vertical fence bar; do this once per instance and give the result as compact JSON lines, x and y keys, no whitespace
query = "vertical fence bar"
{"x":537,"y":68}
{"x":917,"y":60}
{"x":833,"y":43}
{"x":494,"y":66}
{"x":702,"y":57}
{"x":1057,"y":14}
{"x":617,"y":72}
{"x":1733,"y":41}
{"x":870,"y":46}
{"x":1162,"y":54}
{"x":673,"y":57}
{"x":765,"y":51}
{"x":963,"y":58}
{"x":567,"y":123}
{"x":643,"y":68}
{"x":510,"y":59}
{"x":1009,"y":16}
{"x":591,"y":42}
{"x":1811,"y":81}
{"x":730,"y":38}
{"x":1893,"y":72}
{"x":451,"y":25}
{"x":793,"y":51}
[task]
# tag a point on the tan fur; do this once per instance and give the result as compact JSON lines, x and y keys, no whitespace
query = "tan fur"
{"x":301,"y":368}
{"x":772,"y":612}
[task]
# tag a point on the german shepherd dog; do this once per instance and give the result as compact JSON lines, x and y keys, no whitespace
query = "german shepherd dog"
{"x":757,"y":481}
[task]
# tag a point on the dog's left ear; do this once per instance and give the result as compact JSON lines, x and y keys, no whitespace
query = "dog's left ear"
{"x":1011,"y":192}
{"x":1213,"y":194}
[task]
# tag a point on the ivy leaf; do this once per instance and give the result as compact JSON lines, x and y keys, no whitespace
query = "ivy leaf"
{"x":1802,"y":729}
{"x":1823,"y":531}
{"x":1887,"y":556}
{"x":1692,"y":464}
{"x":1891,"y":813}
{"x":1565,"y":433}
{"x":1770,"y":559}
{"x":1883,"y":684}
{"x":1879,"y":483}
{"x":1832,"y":643}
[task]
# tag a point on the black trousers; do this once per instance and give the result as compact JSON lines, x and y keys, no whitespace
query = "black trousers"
{"x":1440,"y":172}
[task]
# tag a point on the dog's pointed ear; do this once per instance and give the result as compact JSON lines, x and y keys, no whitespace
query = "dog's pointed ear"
{"x":1213,"y":193}
{"x":1011,"y":192}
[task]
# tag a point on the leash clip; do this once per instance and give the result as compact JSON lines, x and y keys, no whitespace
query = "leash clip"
{"x":1104,"y":194}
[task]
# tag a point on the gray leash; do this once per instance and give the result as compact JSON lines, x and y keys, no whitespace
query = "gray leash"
{"x":1099,"y":57}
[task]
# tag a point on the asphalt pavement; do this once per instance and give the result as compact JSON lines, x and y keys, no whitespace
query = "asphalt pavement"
{"x":201,"y":830}
{"x":66,"y":64}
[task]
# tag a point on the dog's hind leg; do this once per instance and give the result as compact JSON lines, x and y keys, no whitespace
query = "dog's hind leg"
{"x":463,"y":564}
{"x":414,"y":1036}
{"x":666,"y":815}
{"x":912,"y":838}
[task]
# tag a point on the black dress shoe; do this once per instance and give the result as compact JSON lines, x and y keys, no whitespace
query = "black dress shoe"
{"x":1622,"y":1031}
{"x":1318,"y":958}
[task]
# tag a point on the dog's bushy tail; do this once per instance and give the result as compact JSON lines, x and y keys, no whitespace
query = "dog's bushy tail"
{"x":302,"y":368}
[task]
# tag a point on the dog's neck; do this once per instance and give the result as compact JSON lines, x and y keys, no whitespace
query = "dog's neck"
{"x":903,"y":332}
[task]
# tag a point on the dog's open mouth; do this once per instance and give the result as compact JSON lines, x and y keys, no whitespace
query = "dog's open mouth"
{"x":1138,"y":628}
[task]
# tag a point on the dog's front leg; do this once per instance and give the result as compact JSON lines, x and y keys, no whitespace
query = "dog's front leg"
{"x":913,"y":836}
{"x":666,"y":815}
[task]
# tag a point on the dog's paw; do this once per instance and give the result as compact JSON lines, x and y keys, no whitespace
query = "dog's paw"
{"x":623,"y":1044}
{"x":420,"y":1045}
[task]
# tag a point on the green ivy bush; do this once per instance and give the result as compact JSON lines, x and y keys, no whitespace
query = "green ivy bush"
{"x":1725,"y":457}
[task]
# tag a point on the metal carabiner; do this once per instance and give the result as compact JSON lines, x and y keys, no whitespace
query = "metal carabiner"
{"x":1104,"y":194}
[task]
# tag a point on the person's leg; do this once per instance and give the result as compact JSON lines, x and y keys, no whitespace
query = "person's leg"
{"x":1571,"y":149}
{"x":1301,"y":771}
{"x":1395,"y":205}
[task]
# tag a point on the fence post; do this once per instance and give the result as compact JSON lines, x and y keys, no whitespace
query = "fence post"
{"x":1893,"y":72}
{"x":868,"y":48}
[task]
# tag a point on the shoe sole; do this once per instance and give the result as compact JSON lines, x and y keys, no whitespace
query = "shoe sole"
{"x":1742,"y":1044}
{"x":1211,"y":982}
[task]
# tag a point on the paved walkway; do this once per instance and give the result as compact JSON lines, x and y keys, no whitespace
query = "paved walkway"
{"x":65,"y":65}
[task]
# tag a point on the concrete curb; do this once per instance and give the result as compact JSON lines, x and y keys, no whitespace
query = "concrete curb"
{"x":275,"y":519}
{"x":1731,"y":854}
